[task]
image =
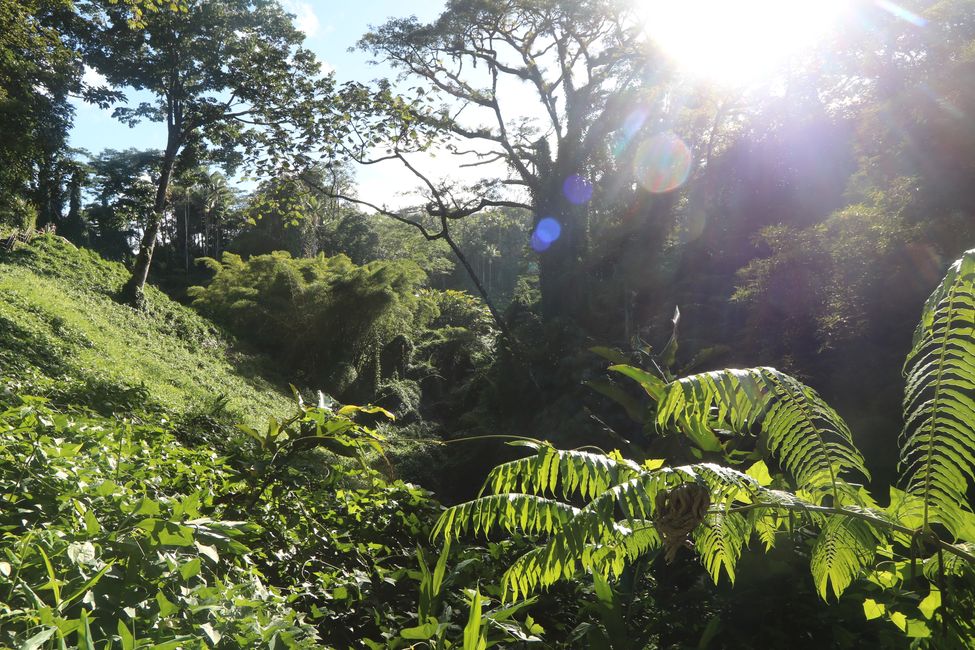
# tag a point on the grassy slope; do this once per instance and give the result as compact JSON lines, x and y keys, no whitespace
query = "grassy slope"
{"x":63,"y":335}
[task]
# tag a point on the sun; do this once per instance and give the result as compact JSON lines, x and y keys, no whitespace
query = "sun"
{"x":737,"y":42}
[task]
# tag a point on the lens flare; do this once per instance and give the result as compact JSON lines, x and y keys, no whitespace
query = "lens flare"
{"x":662,"y":163}
{"x":902,"y":13}
{"x":546,"y":232}
{"x":631,"y":126}
{"x":577,"y":189}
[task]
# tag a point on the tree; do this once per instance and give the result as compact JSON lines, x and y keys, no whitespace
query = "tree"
{"x":231,"y":82}
{"x":38,"y":70}
{"x":198,"y":224}
{"x":124,"y":183}
{"x":579,"y":61}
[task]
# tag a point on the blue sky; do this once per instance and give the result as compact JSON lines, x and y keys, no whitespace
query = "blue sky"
{"x":331,"y":28}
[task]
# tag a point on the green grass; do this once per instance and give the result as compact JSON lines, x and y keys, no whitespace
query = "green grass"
{"x":63,"y":335}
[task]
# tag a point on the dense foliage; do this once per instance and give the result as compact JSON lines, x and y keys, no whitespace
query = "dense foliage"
{"x":628,"y":509}
{"x":576,"y":177}
{"x":361,"y":333}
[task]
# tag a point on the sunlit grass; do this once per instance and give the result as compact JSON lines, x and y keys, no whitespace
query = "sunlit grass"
{"x":56,"y":329}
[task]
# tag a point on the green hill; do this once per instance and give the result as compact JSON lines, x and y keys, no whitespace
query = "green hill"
{"x":62,"y":335}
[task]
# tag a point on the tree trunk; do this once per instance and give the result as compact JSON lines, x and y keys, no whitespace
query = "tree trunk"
{"x":561,"y":277}
{"x":74,"y":226}
{"x":133,"y":293}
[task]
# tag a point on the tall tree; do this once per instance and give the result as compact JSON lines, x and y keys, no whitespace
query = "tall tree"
{"x":124,"y":184}
{"x":38,"y":70}
{"x":231,"y":82}
{"x":573,"y":62}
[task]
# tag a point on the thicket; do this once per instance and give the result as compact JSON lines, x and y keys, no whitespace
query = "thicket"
{"x":370,"y":333}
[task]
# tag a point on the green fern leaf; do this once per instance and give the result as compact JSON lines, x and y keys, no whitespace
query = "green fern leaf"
{"x":526,"y":513}
{"x":810,"y":440}
{"x":938,"y":449}
{"x":552,"y":470}
{"x":844,"y":548}
{"x":719,"y":540}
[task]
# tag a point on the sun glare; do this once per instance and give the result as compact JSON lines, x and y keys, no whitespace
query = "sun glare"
{"x":737,"y":42}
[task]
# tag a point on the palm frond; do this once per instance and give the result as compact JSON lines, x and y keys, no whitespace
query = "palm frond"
{"x":938,"y":449}
{"x":810,"y":440}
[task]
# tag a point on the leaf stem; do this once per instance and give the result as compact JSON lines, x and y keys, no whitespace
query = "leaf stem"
{"x":864,"y":516}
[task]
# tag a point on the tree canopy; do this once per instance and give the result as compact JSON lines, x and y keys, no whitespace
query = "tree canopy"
{"x":232,"y":84}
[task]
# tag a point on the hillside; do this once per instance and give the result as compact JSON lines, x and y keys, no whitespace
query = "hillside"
{"x":62,"y":335}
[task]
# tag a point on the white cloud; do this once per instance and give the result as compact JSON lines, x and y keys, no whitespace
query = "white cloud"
{"x":326,"y":67}
{"x":93,"y":77}
{"x":305,"y":18}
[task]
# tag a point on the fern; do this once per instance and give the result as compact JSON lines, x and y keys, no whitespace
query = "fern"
{"x":844,"y":548}
{"x":613,"y":528}
{"x":599,"y":513}
{"x":550,"y":469}
{"x":719,"y":542}
{"x":810,"y":440}
{"x":526,"y":513}
{"x":938,"y":441}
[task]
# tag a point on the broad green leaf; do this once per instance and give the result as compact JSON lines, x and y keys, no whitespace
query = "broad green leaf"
{"x":931,"y":603}
{"x":208,"y":551}
{"x":872,"y":609}
{"x":473,"y":637}
{"x":653,"y":385}
{"x":635,"y":409}
{"x":85,"y":640}
{"x":166,"y":606}
{"x":53,"y":584}
{"x":167,"y":533}
{"x":211,"y":633}
{"x":87,"y":585}
{"x":610,"y":354}
{"x":759,"y":472}
{"x":92,"y":526}
{"x":421,"y":632}
{"x":190,"y":569}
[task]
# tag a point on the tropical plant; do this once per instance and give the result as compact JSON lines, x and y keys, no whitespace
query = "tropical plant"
{"x":598,"y":513}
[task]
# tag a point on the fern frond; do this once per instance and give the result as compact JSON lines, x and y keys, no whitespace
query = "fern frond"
{"x":526,"y":513}
{"x":844,"y":548}
{"x":949,"y":564}
{"x":810,"y":440}
{"x":767,"y":524}
{"x":719,"y":540}
{"x":594,"y":541}
{"x":542,"y":567}
{"x":631,"y":541}
{"x":938,"y":449}
{"x":553,"y":470}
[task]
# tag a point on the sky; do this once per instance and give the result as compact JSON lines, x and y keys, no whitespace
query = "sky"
{"x":331,"y":27}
